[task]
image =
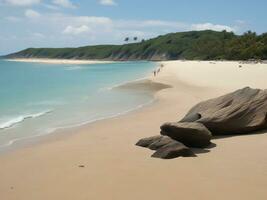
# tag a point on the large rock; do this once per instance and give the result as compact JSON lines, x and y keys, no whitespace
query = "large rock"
{"x":240,"y":112}
{"x":166,"y":147}
{"x":189,"y":133}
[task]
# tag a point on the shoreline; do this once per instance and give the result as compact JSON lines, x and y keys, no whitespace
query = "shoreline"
{"x":87,"y":61}
{"x":21,"y":143}
{"x":57,"y":61}
{"x":112,"y":163}
{"x":17,"y":144}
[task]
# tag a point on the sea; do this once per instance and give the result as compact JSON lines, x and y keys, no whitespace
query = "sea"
{"x":37,"y":99}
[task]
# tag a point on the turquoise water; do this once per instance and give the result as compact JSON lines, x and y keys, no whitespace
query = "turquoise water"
{"x":37,"y":99}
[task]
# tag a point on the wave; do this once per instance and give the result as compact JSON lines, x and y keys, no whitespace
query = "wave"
{"x":49,"y":131}
{"x":47,"y":103}
{"x":12,"y":122}
{"x":74,"y":68}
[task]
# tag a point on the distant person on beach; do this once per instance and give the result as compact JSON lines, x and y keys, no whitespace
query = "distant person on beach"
{"x":154,"y":72}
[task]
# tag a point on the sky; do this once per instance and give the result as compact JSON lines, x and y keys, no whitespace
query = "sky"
{"x":73,"y":23}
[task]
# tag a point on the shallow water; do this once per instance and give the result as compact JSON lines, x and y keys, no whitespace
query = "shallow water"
{"x":37,"y":99}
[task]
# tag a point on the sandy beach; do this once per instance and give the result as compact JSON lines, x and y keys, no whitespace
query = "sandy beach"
{"x":57,"y":61}
{"x":100,"y":160}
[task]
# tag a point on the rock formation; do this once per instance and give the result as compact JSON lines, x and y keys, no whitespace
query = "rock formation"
{"x":240,"y":112}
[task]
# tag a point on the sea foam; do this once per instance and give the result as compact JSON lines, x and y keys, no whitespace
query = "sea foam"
{"x":18,"y":119}
{"x":71,"y":68}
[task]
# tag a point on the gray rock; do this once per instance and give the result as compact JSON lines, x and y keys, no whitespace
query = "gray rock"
{"x":162,"y":141}
{"x":154,"y":142}
{"x":240,"y":112}
{"x":145,"y":142}
{"x":173,"y":150}
{"x":189,"y":133}
{"x":166,"y":147}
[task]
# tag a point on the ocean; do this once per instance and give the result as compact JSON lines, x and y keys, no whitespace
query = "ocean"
{"x":37,"y":99}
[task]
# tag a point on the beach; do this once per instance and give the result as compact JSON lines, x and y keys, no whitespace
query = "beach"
{"x":100,"y":160}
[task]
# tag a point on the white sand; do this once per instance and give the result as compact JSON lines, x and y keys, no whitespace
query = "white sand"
{"x":227,"y":75}
{"x":116,"y":169}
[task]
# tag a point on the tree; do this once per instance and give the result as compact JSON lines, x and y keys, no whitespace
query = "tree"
{"x":135,"y":38}
{"x":126,"y":39}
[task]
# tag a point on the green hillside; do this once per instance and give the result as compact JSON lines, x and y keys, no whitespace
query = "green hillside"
{"x":192,"y":45}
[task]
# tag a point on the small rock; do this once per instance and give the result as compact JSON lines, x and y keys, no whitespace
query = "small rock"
{"x":173,"y":150}
{"x":145,"y":142}
{"x":166,"y":147}
{"x":162,"y":141}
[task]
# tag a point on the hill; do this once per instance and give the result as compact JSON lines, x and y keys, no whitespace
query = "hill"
{"x":191,"y":45}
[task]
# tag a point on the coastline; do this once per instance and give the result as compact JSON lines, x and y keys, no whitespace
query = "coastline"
{"x":57,"y":61}
{"x":146,"y":85}
{"x":112,"y":163}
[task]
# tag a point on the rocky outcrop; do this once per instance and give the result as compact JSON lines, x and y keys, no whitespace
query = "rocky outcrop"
{"x":240,"y":112}
{"x":189,"y":133}
{"x":166,"y":148}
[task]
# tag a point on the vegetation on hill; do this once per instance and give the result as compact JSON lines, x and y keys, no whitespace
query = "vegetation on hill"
{"x":192,"y":45}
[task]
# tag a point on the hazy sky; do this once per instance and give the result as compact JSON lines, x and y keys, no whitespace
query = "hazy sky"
{"x":63,"y":23}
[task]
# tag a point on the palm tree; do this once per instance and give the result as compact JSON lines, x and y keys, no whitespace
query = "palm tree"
{"x":126,"y":39}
